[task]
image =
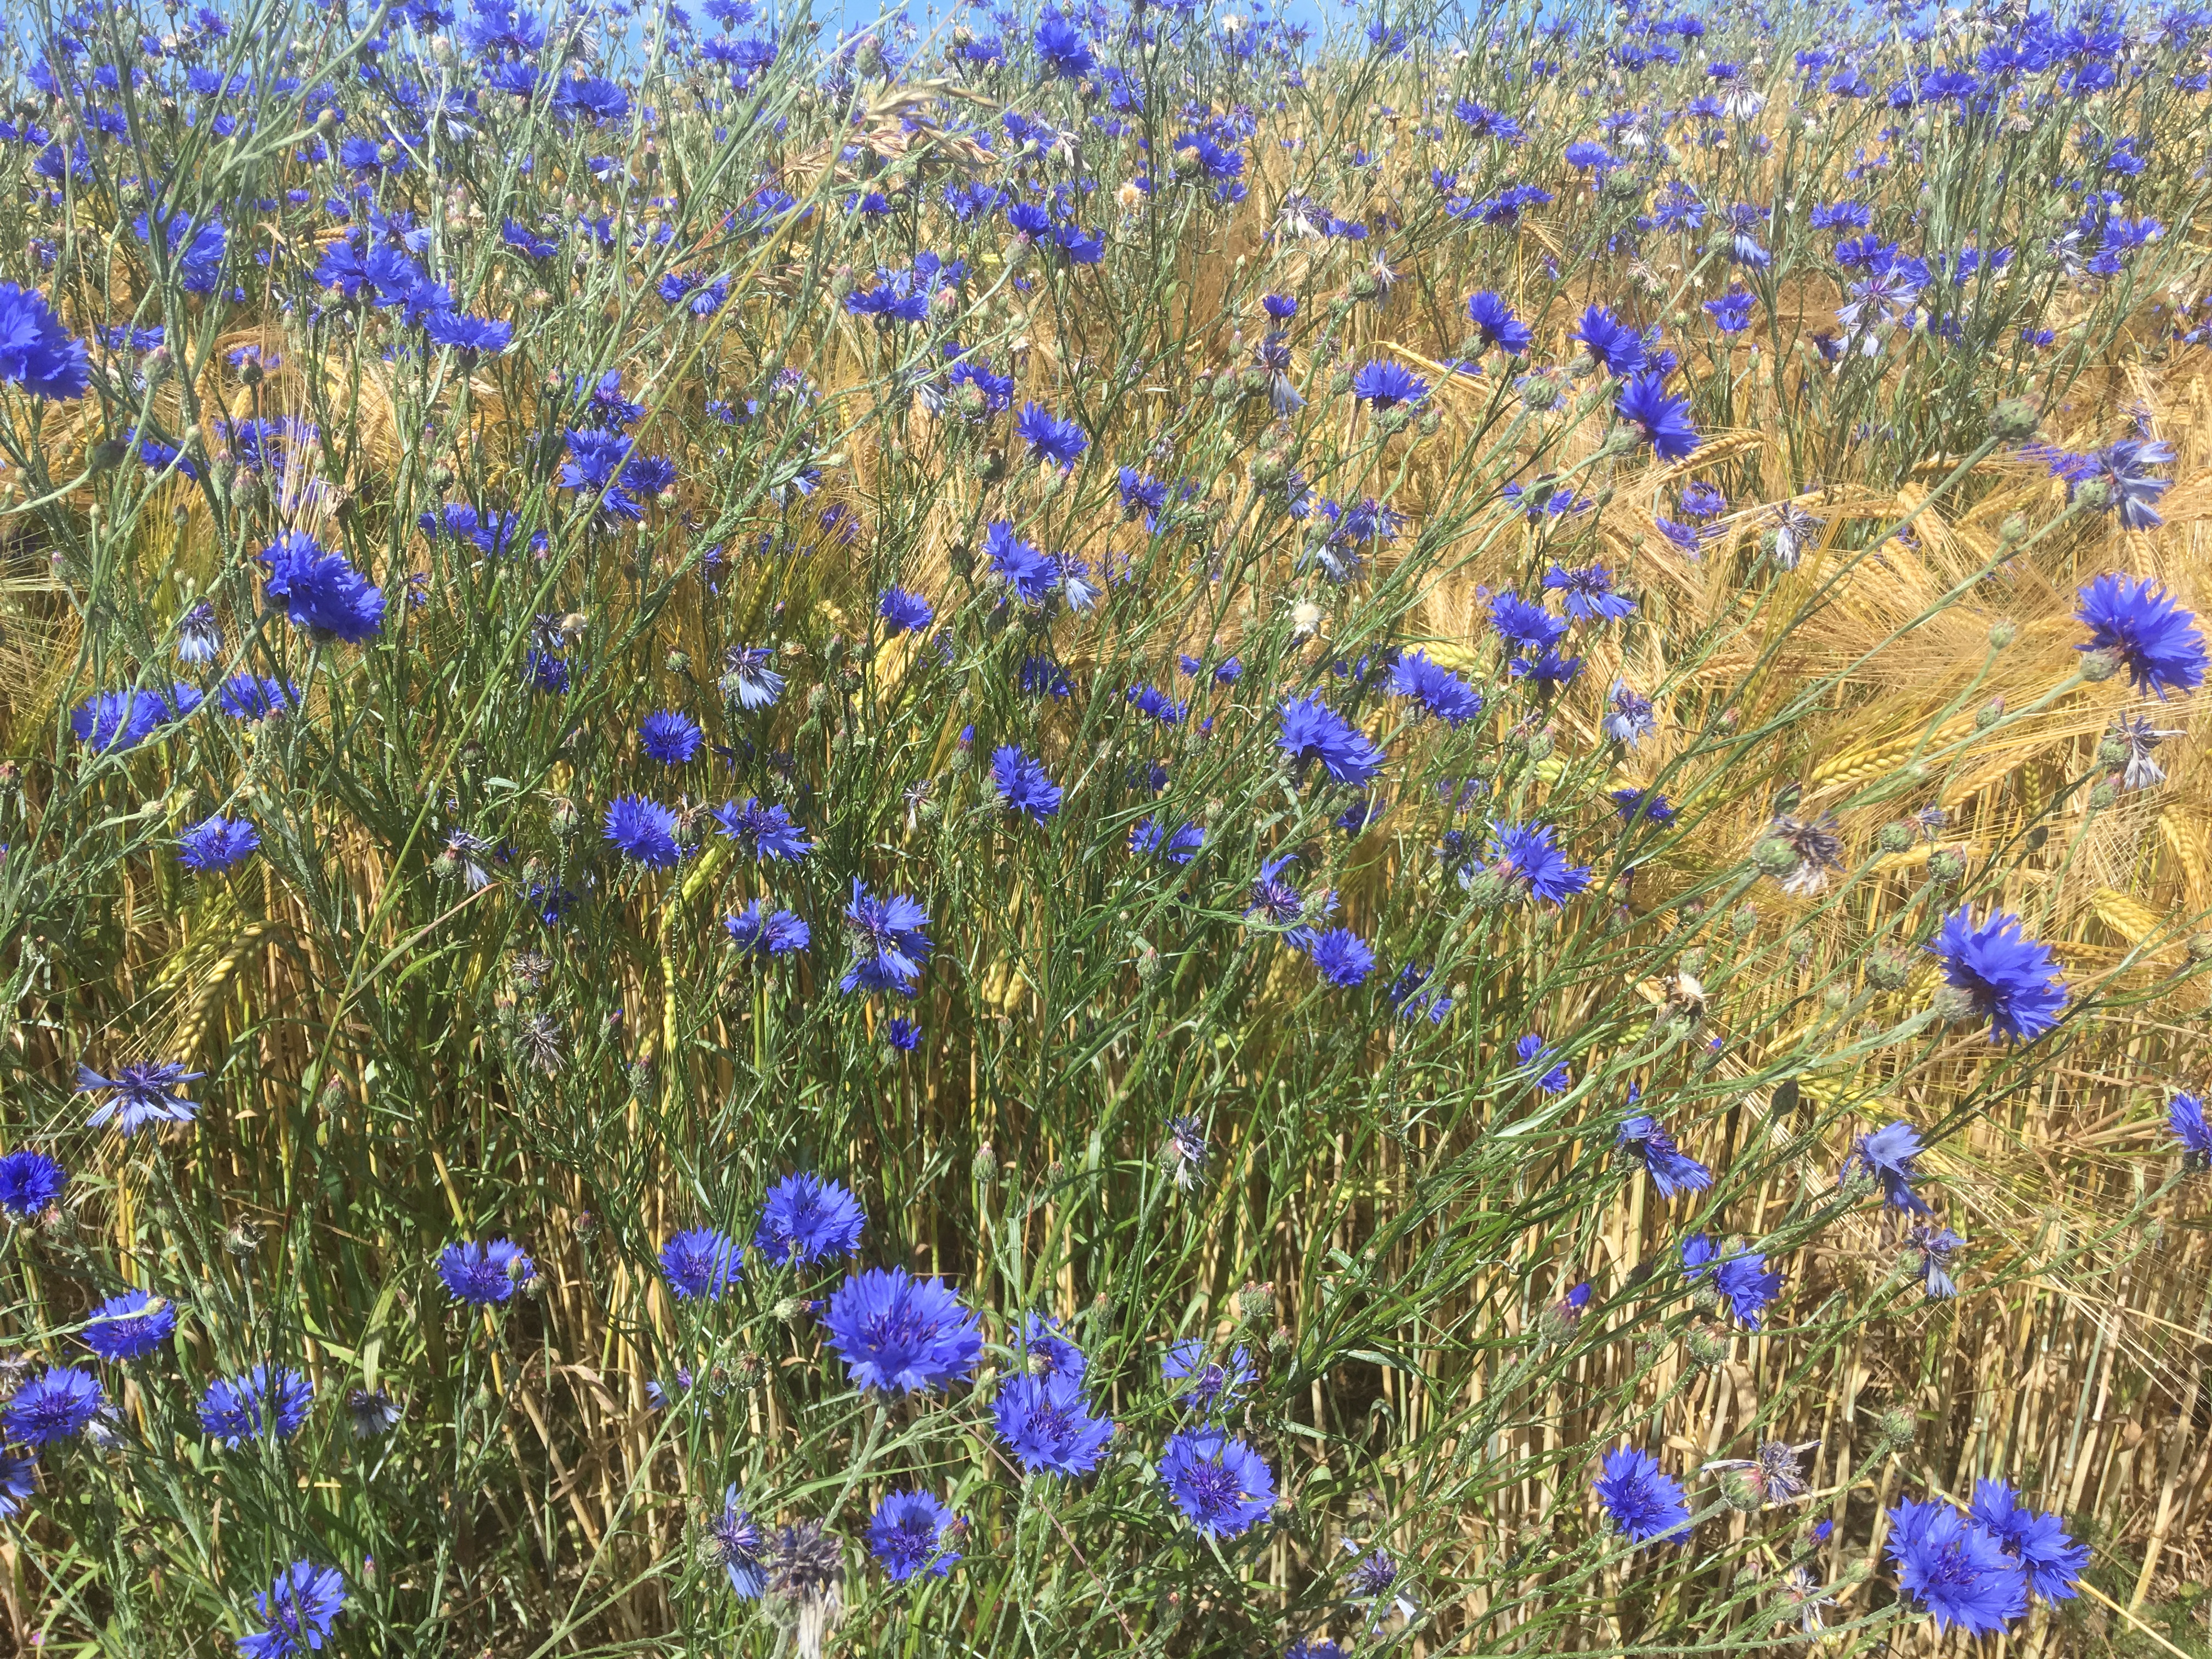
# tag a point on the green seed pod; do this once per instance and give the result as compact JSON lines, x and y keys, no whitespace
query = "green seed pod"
{"x":2013,"y":422}
{"x":1775,"y":856}
{"x":1946,"y":866}
{"x":2002,"y":634}
{"x":1895,"y":836}
{"x":1887,"y":970}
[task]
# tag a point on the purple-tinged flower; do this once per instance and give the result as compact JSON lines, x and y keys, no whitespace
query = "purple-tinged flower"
{"x":1221,"y":1484}
{"x":901,"y":1333}
{"x":807,"y":1219}
{"x":140,"y":1095}
{"x":482,"y":1274}
{"x":733,"y":1543}
{"x":747,"y":679}
{"x":1642,"y":805}
{"x":2123,"y":470}
{"x":1645,"y":1502}
{"x":1936,"y":1246}
{"x":1522,"y":625}
{"x":1998,"y":974}
{"x":1588,"y":595}
{"x":702,"y":1262}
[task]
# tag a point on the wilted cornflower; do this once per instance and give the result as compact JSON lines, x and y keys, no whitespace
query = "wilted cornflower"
{"x":199,"y":635}
{"x":1272,"y":896}
{"x":806,"y":1574}
{"x":1628,"y":716}
{"x":1887,"y":1154}
{"x":1373,"y":1576}
{"x":1802,"y":1599}
{"x":747,"y":679}
{"x":1776,"y":1475}
{"x":2134,"y":736}
{"x":1794,"y":532}
{"x":1672,"y":1170}
{"x":1935,"y":1246}
{"x":371,"y":1413}
{"x":1208,"y":1384}
{"x":732,"y":1543}
{"x":1803,"y":853}
{"x":1185,"y":1154}
{"x":140,"y":1094}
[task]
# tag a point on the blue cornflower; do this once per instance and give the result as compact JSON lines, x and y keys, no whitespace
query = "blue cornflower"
{"x":1409,"y":995}
{"x":2000,"y":975}
{"x":1063,"y":47}
{"x":1887,"y":1155}
{"x":129,"y":1327}
{"x":1320,"y":1648}
{"x":1221,"y":1484}
{"x":1280,"y":307}
{"x":1646,"y":806}
{"x":902,"y":1034}
{"x":747,"y":679}
{"x":469,"y":337}
{"x":252,"y":697}
{"x":1645,"y":1502}
{"x":767,"y":828}
{"x":1023,"y":784}
{"x":1737,"y":1276}
{"x":1020,"y":565}
{"x":888,"y":946}
{"x":702,"y":1262}
{"x":1046,"y":1351}
{"x":31,"y":1181}
{"x":1525,"y":858}
{"x":2156,"y":641}
{"x":55,"y":1404}
{"x":1150,"y":837}
{"x":1661,"y":421}
{"x":901,"y":1333}
{"x":908,"y":1533}
{"x":807,"y":1219}
{"x":483,"y":1273}
{"x":320,"y":591}
{"x":1587,"y":595}
{"x":36,"y":352}
{"x":1523,"y":625}
{"x":734,"y":1542}
{"x":1615,"y":345}
{"x":1344,"y":958}
{"x":1047,"y":1423}
{"x":1208,"y":1383}
{"x":1672,"y":1170}
{"x":1275,"y":898}
{"x":1955,"y":1568}
{"x":18,"y":1479}
{"x":903,"y":612}
{"x":670,"y":737}
{"x":1435,"y":687}
{"x":1314,"y":731}
{"x":2122,"y":468}
{"x":296,"y":1613}
{"x":1496,"y":325}
{"x":141,"y":1095}
{"x":644,"y":830}
{"x":1533,"y":1053}
{"x":1050,"y":439}
{"x":759,"y":931}
{"x":1731,"y":313}
{"x":124,"y":720}
{"x":2037,"y":1538}
{"x":2185,"y":1117}
{"x":1386,"y":384}
{"x":237,"y":1409}
{"x":216,"y":843}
